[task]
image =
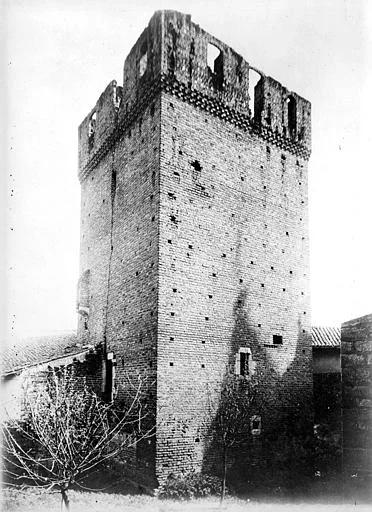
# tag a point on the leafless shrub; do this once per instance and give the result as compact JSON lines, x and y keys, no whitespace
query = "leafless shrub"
{"x":68,"y":431}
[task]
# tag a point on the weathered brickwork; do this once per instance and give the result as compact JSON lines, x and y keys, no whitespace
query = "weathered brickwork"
{"x":120,"y":248}
{"x":194,"y":234}
{"x":356,"y":365}
{"x":232,"y":259}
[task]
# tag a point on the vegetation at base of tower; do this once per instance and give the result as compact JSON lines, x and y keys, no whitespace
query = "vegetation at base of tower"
{"x":327,"y":452}
{"x":288,"y":446}
{"x":295,"y":455}
{"x":190,"y":485}
{"x":238,"y":402}
{"x":285,"y":456}
{"x":68,"y":431}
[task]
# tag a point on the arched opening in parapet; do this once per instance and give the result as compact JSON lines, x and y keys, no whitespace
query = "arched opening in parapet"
{"x":143,"y":59}
{"x":292,"y":116}
{"x":92,"y":124}
{"x":91,"y":130}
{"x":255,"y":93}
{"x":215,"y":65}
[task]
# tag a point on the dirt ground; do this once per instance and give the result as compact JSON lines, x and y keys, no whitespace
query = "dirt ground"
{"x":36,"y":500}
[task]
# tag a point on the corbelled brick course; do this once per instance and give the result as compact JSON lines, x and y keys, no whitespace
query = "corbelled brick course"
{"x":194,"y":231}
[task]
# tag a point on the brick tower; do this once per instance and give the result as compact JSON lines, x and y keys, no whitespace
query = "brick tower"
{"x":194,"y":237}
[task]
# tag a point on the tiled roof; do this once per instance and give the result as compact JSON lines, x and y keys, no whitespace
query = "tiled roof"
{"x":326,"y":336}
{"x":41,"y":349}
{"x":31,"y":351}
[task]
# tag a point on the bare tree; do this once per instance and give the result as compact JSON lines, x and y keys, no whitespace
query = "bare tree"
{"x":237,"y":405}
{"x":69,"y":431}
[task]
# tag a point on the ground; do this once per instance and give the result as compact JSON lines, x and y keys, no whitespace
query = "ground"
{"x":35,"y":500}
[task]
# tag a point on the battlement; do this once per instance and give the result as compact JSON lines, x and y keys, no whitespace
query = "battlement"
{"x":175,"y":55}
{"x":100,"y":124}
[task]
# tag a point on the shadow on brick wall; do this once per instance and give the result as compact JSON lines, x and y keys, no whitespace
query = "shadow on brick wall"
{"x":284,"y":405}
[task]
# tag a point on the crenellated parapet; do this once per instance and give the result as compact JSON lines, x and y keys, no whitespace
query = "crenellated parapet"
{"x":284,"y":112}
{"x":100,"y":124}
{"x":176,"y":56}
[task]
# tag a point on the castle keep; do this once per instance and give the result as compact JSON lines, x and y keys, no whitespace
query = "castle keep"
{"x":194,"y":234}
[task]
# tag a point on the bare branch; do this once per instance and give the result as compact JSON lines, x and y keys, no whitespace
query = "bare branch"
{"x":69,"y":431}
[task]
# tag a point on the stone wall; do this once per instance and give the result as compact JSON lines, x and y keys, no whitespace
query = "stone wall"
{"x":356,"y":360}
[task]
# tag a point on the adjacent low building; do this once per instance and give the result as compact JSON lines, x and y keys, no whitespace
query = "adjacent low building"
{"x":28,"y":361}
{"x":327,"y":379}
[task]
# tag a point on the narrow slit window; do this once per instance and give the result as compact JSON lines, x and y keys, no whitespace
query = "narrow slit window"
{"x":113,"y":185}
{"x":109,"y":383}
{"x":244,"y":364}
{"x":292,"y":116}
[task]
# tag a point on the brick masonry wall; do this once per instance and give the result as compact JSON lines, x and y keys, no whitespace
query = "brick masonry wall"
{"x":120,"y":225}
{"x":96,"y":215}
{"x":233,"y":271}
{"x":132,"y":306}
{"x":356,"y":363}
{"x":194,"y":233}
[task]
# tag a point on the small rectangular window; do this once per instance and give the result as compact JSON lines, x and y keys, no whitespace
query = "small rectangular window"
{"x":244,"y":363}
{"x":277,"y":339}
{"x":256,"y":425}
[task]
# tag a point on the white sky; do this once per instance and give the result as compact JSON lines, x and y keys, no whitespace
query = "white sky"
{"x":60,"y":55}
